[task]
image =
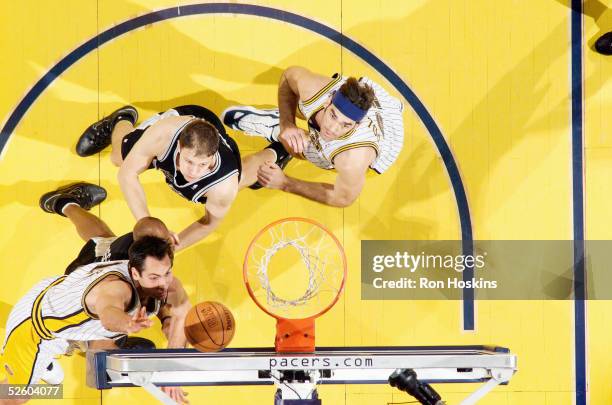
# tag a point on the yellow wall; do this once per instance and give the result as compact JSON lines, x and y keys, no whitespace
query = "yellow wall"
{"x":495,"y":75}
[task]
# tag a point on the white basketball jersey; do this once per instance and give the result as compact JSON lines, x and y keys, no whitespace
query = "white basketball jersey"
{"x":382,"y":128}
{"x":60,"y":310}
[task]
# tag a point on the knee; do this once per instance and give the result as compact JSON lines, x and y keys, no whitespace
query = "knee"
{"x":116,"y":159}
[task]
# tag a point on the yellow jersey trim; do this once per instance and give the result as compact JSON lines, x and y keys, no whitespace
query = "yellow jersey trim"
{"x":37,"y":321}
{"x":348,"y":134}
{"x":55,"y":324}
{"x":322,"y":91}
{"x":353,"y":146}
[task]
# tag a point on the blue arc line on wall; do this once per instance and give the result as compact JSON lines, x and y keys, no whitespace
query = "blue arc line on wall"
{"x":295,"y":19}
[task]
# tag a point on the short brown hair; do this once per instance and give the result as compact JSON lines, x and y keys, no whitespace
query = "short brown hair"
{"x":200,"y":135}
{"x":360,"y":94}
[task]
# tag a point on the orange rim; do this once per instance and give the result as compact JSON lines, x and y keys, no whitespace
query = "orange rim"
{"x":298,"y":219}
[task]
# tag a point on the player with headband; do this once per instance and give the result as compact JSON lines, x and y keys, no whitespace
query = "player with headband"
{"x":353,"y":125}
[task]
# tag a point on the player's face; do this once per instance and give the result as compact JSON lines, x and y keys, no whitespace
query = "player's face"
{"x":334,"y":124}
{"x":155,"y":278}
{"x":194,"y":166}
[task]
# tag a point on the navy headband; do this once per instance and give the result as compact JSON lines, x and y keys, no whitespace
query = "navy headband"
{"x":347,"y":108}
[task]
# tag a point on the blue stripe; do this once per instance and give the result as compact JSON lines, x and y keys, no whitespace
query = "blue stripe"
{"x":287,"y":17}
{"x":578,"y":207}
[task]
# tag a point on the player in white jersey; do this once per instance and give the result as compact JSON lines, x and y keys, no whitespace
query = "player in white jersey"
{"x":97,"y":302}
{"x":353,"y":125}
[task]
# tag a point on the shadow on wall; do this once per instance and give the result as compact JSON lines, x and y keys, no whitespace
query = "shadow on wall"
{"x":599,"y":12}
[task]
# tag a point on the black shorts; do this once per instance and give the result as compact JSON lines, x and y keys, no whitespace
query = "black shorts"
{"x":197,"y":111}
{"x":87,"y":255}
{"x":115,"y":248}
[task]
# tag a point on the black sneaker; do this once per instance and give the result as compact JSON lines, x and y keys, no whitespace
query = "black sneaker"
{"x":135,"y":343}
{"x":282,"y":160}
{"x":86,"y":195}
{"x":603,"y":44}
{"x":98,"y":135}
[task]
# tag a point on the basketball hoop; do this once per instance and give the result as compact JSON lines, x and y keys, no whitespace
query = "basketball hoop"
{"x":294,"y":269}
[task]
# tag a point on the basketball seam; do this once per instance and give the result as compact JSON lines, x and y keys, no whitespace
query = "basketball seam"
{"x":222,"y":324}
{"x":190,"y":338}
{"x":198,"y":346}
{"x":204,"y":326}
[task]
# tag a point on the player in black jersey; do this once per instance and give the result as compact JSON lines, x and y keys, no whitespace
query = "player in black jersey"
{"x":188,"y":144}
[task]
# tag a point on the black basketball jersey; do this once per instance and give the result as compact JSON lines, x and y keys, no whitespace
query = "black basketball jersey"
{"x":227,"y":164}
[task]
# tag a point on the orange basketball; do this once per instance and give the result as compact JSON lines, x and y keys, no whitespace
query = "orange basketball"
{"x":209,"y":326}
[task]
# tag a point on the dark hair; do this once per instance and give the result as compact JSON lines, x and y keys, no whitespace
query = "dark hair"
{"x":360,"y":94}
{"x":148,"y":246}
{"x":200,"y":135}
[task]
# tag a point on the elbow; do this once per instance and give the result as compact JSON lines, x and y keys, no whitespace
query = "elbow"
{"x":291,"y":70}
{"x":342,"y":202}
{"x":290,"y":73}
{"x":204,"y":221}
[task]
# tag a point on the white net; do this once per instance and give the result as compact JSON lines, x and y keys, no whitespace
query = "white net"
{"x":295,"y":268}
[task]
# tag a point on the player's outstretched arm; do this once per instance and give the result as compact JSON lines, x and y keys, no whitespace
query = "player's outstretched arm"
{"x":108,"y":300}
{"x":172,"y":315}
{"x":351,"y":166}
{"x":219,"y":201}
{"x":136,"y":162}
{"x":151,"y":144}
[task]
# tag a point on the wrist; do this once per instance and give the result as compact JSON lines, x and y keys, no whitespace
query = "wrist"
{"x":284,"y":125}
{"x":287,"y":183}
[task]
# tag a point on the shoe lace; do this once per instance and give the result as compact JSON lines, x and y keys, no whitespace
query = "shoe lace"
{"x":81,"y":194}
{"x":102,"y":131}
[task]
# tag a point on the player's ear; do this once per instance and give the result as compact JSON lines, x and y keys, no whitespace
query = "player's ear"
{"x":134,"y":272}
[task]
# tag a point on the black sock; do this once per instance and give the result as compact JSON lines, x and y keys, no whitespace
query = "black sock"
{"x":62,"y":202}
{"x":279,"y":149}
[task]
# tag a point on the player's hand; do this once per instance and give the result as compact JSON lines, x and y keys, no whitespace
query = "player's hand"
{"x":139,"y":321}
{"x":271,"y":176}
{"x":177,"y":394}
{"x":174,"y":240}
{"x":294,"y":139}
